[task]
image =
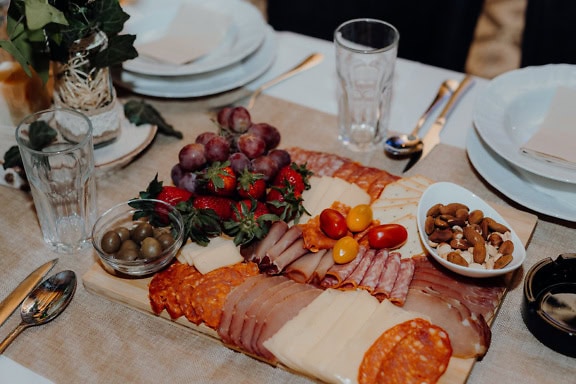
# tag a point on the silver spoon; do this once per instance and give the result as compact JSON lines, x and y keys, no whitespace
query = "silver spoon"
{"x":401,"y":145}
{"x":44,"y":303}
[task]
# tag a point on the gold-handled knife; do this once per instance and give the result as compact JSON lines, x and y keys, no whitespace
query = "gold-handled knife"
{"x":432,"y":137}
{"x":13,"y":300}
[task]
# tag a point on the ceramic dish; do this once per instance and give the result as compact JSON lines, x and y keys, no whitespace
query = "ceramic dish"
{"x":149,"y":18}
{"x":510,"y":109}
{"x":446,"y":193}
{"x":206,"y":84}
{"x":532,"y":191}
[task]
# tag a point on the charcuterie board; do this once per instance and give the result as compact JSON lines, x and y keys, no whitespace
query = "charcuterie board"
{"x":134,"y":293}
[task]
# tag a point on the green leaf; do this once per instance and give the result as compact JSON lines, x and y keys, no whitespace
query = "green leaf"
{"x":120,"y":49}
{"x":9,"y":47}
{"x":113,"y":22}
{"x":39,"y":13}
{"x":41,"y":134}
{"x":139,"y":112}
{"x":12,"y":158}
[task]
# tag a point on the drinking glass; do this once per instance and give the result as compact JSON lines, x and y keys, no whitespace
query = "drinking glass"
{"x":366,"y":51}
{"x":59,"y":166}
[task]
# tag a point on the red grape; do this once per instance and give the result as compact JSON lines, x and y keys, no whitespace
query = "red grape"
{"x":217,"y":149}
{"x":268,"y":133}
{"x":189,"y":182}
{"x":251,"y":145}
{"x":204,"y":137}
{"x":239,"y":162}
{"x":239,"y":120}
{"x":223,"y":117}
{"x":266,"y":166}
{"x":280,"y":157}
{"x":192,"y":157}
{"x":176,"y":173}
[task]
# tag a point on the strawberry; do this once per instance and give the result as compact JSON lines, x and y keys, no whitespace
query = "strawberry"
{"x":173,"y":195}
{"x":220,"y":179}
{"x":222,"y":206}
{"x":251,"y":220}
{"x":295,"y":175}
{"x":285,"y":202}
{"x":251,"y":185}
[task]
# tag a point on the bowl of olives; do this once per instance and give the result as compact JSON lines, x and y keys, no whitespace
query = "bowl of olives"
{"x":138,"y":237}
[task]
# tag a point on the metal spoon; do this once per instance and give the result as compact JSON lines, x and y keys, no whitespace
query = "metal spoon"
{"x":401,"y":145}
{"x":44,"y":303}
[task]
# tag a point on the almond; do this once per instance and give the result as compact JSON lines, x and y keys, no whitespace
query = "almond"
{"x":456,"y":258}
{"x":506,"y":248}
{"x":503,"y":261}
{"x":479,"y":252}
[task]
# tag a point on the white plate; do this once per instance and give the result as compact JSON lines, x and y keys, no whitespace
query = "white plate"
{"x":510,"y":109}
{"x":206,"y":84}
{"x":133,"y":140}
{"x":540,"y":194}
{"x":149,"y":18}
{"x":446,"y":193}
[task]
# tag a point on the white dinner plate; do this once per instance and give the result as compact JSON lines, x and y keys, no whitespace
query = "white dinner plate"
{"x":540,"y":194}
{"x":510,"y":109}
{"x":151,"y":18}
{"x":206,"y":84}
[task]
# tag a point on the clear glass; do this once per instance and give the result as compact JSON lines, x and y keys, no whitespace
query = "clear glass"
{"x":61,"y":177}
{"x":366,"y":51}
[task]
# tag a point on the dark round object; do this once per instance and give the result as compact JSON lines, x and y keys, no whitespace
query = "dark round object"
{"x":142,"y":231}
{"x":266,"y":166}
{"x":281,"y":157}
{"x":251,"y":145}
{"x":189,"y":181}
{"x":239,"y":162}
{"x":266,"y":132}
{"x":111,"y":242}
{"x":128,"y":254}
{"x":217,"y":149}
{"x":204,"y":137}
{"x":239,"y":120}
{"x":150,"y":248}
{"x":165,"y":240}
{"x":176,"y":174}
{"x":548,"y":306}
{"x":123,"y":232}
{"x":129,"y":244}
{"x":192,"y":157}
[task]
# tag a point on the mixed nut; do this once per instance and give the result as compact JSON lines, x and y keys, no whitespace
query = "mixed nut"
{"x":468,"y":238}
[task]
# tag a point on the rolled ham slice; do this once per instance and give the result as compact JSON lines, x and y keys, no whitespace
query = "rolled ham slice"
{"x":339,"y":272}
{"x":256,"y":251}
{"x":388,"y":276}
{"x":370,"y":279}
{"x":302,"y":269}
{"x":325,"y":264}
{"x":296,"y":250}
{"x":287,"y":239}
{"x":402,"y":283}
{"x":355,"y":278}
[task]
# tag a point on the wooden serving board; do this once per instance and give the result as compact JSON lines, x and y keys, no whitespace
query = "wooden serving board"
{"x":134,"y":293}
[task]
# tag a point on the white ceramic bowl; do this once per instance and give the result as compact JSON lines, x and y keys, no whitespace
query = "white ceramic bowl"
{"x":446,"y":193}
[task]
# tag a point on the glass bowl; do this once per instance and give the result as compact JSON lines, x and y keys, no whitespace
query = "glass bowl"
{"x":147,"y":256}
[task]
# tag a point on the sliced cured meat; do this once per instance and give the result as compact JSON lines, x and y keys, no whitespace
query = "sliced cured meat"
{"x":370,"y":279}
{"x":355,"y":278}
{"x":228,"y":310}
{"x":480,"y":296}
{"x":375,"y":189}
{"x":296,"y":250}
{"x":422,"y":349}
{"x":339,"y":272}
{"x":388,"y":276}
{"x":402,"y":283}
{"x":321,"y":163}
{"x":255,"y":251}
{"x":184,"y":292}
{"x":302,"y":269}
{"x":163,"y":288}
{"x":287,"y":239}
{"x":348,"y":170}
{"x":367,"y":176}
{"x":324,"y":265}
{"x":469,"y":334}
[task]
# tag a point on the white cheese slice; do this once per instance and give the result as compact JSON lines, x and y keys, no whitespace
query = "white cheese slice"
{"x":332,"y":194}
{"x":353,"y":195}
{"x":393,"y":212}
{"x":413,"y":245}
{"x":386,"y":202}
{"x":396,"y":190}
{"x":312,"y":196}
{"x":213,"y":258}
{"x":344,"y":367}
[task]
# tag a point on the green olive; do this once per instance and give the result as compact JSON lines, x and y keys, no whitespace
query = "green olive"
{"x":142,"y":231}
{"x":129,"y":244}
{"x":127,"y":254}
{"x":110,"y":242}
{"x":123,"y":232}
{"x":166,"y":240}
{"x":150,"y":248}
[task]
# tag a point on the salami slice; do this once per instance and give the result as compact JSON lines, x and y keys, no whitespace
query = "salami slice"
{"x":402,"y":283}
{"x":339,"y":272}
{"x":370,"y":279}
{"x":163,"y":288}
{"x":388,"y":276}
{"x":355,"y":278}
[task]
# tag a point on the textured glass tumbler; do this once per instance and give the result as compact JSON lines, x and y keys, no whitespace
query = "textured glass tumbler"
{"x":60,"y":172}
{"x":366,"y":51}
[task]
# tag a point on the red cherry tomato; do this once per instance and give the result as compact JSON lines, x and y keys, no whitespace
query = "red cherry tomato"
{"x":333,"y":224}
{"x":387,"y":236}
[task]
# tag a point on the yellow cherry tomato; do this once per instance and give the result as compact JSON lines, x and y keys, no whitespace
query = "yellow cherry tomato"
{"x":345,"y":250}
{"x":359,"y":218}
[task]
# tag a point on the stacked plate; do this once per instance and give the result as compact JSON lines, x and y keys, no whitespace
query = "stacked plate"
{"x":507,"y":113}
{"x":193,"y":48}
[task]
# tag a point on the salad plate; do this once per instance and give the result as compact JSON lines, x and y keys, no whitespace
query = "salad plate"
{"x":150,"y":20}
{"x":511,"y":108}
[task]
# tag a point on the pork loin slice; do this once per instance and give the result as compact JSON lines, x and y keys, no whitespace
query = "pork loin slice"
{"x":469,"y":338}
{"x":257,"y":250}
{"x":259,"y":311}
{"x":231,"y":300}
{"x":324,"y":265}
{"x":302,"y":269}
{"x":280,"y":314}
{"x":255,"y":292}
{"x":296,"y":250}
{"x":289,"y":237}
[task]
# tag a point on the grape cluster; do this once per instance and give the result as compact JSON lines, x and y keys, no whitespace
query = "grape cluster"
{"x":246,"y":145}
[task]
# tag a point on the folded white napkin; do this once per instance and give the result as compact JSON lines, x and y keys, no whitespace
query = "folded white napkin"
{"x":555,"y":140}
{"x":194,"y":32}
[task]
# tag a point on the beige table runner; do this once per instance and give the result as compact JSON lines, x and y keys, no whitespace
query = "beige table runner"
{"x":98,"y":341}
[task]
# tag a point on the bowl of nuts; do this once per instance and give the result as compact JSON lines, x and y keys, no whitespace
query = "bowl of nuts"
{"x":138,"y":237}
{"x":465,"y":234}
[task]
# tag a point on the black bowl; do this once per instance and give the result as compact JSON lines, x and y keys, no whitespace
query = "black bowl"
{"x":549,"y":307}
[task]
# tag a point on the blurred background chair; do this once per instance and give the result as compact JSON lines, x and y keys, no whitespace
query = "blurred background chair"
{"x":432,"y":32}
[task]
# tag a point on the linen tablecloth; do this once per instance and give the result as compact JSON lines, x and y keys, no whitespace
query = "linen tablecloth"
{"x":96,"y":340}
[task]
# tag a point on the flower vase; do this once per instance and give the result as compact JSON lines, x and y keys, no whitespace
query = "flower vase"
{"x":83,"y":87}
